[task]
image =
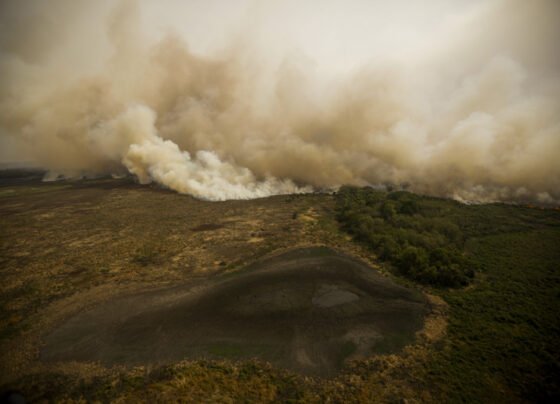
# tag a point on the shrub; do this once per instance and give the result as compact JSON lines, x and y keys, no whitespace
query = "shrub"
{"x":413,"y":259}
{"x":388,"y":210}
{"x":406,"y":231}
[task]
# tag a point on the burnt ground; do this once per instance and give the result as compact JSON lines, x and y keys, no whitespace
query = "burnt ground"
{"x":306,"y":310}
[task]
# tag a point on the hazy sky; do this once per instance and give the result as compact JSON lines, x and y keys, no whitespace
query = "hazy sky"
{"x":244,"y":98}
{"x":341,"y":34}
{"x":336,"y":35}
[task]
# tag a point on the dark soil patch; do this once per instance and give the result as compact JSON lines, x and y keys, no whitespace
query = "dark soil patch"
{"x":208,"y":227}
{"x":307,"y":310}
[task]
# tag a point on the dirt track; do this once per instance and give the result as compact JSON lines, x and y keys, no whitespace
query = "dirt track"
{"x":307,"y":310}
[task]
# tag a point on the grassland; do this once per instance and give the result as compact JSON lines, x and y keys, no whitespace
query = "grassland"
{"x":65,"y":247}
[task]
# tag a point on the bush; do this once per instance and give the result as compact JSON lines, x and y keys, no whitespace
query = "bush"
{"x":388,"y":210}
{"x":406,"y":231}
{"x":413,"y":259}
{"x":409,"y":207}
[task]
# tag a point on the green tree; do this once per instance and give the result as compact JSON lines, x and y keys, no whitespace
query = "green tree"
{"x":388,"y":210}
{"x":413,"y":260}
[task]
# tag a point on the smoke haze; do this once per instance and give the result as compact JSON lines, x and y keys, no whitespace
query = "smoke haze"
{"x":244,"y":99}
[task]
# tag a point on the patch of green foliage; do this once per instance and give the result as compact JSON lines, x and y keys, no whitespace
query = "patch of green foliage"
{"x":414,"y":234}
{"x":502,"y":341}
{"x":503,"y":337}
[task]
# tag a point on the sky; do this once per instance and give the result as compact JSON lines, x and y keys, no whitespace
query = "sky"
{"x":243,"y":98}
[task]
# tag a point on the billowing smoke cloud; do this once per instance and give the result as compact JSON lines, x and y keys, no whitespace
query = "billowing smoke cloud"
{"x":149,"y":157}
{"x":472,"y":111}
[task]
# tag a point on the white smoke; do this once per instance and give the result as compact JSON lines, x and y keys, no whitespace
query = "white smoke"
{"x":132,"y":139}
{"x":472,"y":112}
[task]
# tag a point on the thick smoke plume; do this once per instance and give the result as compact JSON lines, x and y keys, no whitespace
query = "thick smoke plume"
{"x":472,"y":111}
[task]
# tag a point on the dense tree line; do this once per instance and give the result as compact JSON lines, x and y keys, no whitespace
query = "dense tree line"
{"x":406,"y":231}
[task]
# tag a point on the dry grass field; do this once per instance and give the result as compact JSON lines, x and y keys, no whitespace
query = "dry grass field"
{"x":72,"y":248}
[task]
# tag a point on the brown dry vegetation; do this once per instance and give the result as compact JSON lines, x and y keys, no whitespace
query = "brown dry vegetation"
{"x":66,"y":247}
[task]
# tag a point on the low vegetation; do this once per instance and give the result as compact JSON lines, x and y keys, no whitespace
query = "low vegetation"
{"x":503,"y":332}
{"x":503,"y":337}
{"x":416,"y":235}
{"x":499,"y":340}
